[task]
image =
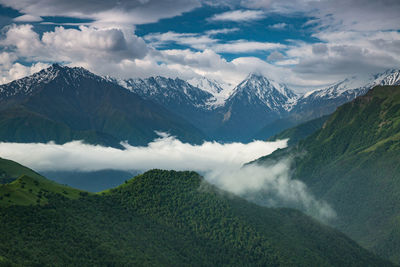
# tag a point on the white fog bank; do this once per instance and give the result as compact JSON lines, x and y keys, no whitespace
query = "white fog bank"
{"x":221,"y":164}
{"x":165,"y":152}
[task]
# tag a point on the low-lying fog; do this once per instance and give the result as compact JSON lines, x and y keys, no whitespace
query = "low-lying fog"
{"x":220,"y":164}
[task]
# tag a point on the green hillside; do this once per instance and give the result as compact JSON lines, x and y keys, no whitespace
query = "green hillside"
{"x":353,"y":164}
{"x":20,"y":125}
{"x":10,"y":171}
{"x":168,"y":218}
{"x":22,"y":186}
{"x":301,"y":131}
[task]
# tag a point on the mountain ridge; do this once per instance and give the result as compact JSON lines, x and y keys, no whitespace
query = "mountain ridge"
{"x":222,"y":114}
{"x":74,"y":102}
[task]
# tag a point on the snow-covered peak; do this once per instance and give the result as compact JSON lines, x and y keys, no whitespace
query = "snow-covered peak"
{"x":205,"y":84}
{"x":258,"y":88}
{"x":43,"y":76}
{"x":263,"y":87}
{"x":389,"y":77}
{"x":27,"y":85}
{"x":167,"y":90}
{"x":220,"y":91}
{"x":336,"y":89}
{"x":356,"y":85}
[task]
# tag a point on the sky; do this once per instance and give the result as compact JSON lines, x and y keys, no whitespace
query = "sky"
{"x":303,"y":43}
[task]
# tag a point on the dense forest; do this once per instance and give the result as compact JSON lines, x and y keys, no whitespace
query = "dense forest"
{"x":166,"y":218}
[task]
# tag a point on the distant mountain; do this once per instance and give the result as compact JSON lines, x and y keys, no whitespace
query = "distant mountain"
{"x":352,"y":162}
{"x":224,"y":113}
{"x":255,"y":102}
{"x":221,"y":92}
{"x":317,"y":103}
{"x":169,"y":92}
{"x":63,"y":104}
{"x":179,"y":97}
{"x":164,"y":218}
{"x":207,"y":85}
{"x":324,"y":101}
{"x":220,"y":111}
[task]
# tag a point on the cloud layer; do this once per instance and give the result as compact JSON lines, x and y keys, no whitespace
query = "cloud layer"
{"x":164,"y":153}
{"x":221,"y":164}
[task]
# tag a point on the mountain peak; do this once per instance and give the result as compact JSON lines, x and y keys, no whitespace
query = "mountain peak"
{"x":259,"y":89}
{"x":255,"y":75}
{"x":70,"y":73}
{"x":257,"y":81}
{"x":56,"y":66}
{"x":27,"y":85}
{"x":206,"y":84}
{"x":389,"y":77}
{"x":356,"y":85}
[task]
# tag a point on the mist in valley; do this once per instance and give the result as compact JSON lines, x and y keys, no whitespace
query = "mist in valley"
{"x":96,"y":168}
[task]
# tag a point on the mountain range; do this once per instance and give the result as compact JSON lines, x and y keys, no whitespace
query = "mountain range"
{"x":257,"y":108}
{"x":62,"y":104}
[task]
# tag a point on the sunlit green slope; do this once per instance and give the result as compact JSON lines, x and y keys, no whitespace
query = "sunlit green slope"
{"x":353,"y":163}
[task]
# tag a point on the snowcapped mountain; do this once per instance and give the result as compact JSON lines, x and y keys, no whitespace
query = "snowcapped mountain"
{"x":62,"y":104}
{"x":320,"y":102}
{"x":218,"y":109}
{"x":255,"y":102}
{"x":220,"y":91}
{"x":27,"y":85}
{"x":257,"y":89}
{"x":208,"y":85}
{"x":207,"y":95}
{"x":179,"y":97}
{"x":389,"y":77}
{"x":356,"y":85}
{"x":169,"y":92}
{"x":324,"y":101}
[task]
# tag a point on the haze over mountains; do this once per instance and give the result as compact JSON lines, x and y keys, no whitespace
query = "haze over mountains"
{"x":76,"y":104}
{"x":258,"y":107}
